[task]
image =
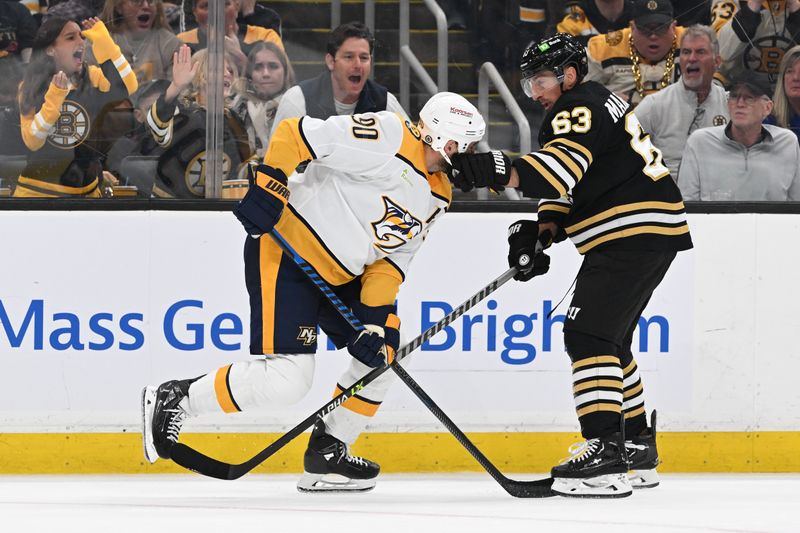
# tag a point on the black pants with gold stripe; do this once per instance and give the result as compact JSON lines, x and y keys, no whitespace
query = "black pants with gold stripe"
{"x":285,"y":307}
{"x":611,"y":291}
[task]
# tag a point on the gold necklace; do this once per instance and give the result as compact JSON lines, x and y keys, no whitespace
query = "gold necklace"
{"x":637,"y":73}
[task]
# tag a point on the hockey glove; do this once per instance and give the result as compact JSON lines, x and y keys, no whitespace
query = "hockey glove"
{"x":376,"y":345}
{"x":261,"y":207}
{"x":490,"y":169}
{"x":525,"y":249}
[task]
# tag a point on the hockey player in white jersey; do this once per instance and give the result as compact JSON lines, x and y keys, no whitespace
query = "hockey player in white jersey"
{"x":371,"y":189}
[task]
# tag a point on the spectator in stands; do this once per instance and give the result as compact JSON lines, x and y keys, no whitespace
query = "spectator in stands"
{"x":786,"y":103}
{"x":639,"y":60}
{"x":745,"y":160}
{"x":255,"y":14}
{"x":245,"y":35}
{"x":60,"y":99}
{"x":596,"y":17}
{"x":178,"y":124}
{"x":693,"y":102}
{"x":141,"y":31}
{"x":344,"y":88}
{"x":10,"y":77}
{"x":268,"y":76}
{"x":138,"y":141}
{"x":17,"y":30}
{"x":754,"y":39}
{"x":74,"y":10}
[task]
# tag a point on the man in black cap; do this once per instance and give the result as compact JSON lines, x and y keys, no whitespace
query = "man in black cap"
{"x":745,"y":160}
{"x":639,"y":60}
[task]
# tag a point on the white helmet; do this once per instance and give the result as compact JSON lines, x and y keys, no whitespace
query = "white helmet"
{"x":449,"y":116}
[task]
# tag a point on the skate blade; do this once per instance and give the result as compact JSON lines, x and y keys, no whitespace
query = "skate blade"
{"x":644,"y":479}
{"x":333,"y":483}
{"x":148,"y":407}
{"x":605,"y":486}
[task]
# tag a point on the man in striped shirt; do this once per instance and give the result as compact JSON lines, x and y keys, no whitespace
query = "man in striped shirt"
{"x":604,"y":185}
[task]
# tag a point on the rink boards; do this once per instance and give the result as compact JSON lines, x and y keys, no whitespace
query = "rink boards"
{"x":97,"y":304}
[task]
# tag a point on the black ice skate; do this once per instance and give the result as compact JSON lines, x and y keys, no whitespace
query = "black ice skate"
{"x":162,"y":417}
{"x":329,"y":467}
{"x":597,"y":468}
{"x":643,"y":457}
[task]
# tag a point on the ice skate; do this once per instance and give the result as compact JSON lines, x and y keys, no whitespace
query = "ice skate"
{"x":597,"y":468}
{"x":329,"y":467}
{"x":643,"y":457}
{"x":162,"y":418}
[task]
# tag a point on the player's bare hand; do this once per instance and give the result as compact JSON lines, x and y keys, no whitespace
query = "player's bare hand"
{"x":110,"y":178}
{"x":60,"y":80}
{"x":792,"y":6}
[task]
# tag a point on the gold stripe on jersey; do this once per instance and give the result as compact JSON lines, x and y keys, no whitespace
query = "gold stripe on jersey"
{"x":380,"y":283}
{"x":569,"y":143}
{"x":310,"y":247}
{"x":529,"y":14}
{"x":677,"y":207}
{"x":288,"y":147}
{"x":560,"y":187}
{"x":270,"y":261}
{"x":222,"y":389}
{"x":412,"y":150}
{"x":566,"y":160}
{"x":595,"y":383}
{"x":357,"y":404}
{"x":554,"y":206}
{"x":33,"y":188}
{"x":630,"y":232}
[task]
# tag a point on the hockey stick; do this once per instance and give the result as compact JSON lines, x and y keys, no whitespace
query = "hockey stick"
{"x":519,"y":489}
{"x":202,"y":464}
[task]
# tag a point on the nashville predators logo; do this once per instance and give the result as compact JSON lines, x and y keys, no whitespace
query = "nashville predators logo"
{"x":396,"y":227}
{"x":72,"y":126}
{"x":307,"y":335}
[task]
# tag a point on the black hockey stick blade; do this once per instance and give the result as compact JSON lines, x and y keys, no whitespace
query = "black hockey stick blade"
{"x":196,"y":461}
{"x":539,"y":488}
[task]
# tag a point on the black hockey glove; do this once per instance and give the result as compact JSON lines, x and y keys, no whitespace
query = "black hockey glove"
{"x":490,"y":169}
{"x":262,"y":206}
{"x":525,"y":249}
{"x":377,"y":344}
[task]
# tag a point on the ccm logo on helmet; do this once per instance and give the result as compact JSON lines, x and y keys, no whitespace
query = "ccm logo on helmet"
{"x":461,"y":112}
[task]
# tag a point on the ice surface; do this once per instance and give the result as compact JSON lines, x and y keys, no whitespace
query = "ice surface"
{"x":461,"y":503}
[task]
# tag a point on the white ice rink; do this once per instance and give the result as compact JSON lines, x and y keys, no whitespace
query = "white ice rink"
{"x":400,"y":503}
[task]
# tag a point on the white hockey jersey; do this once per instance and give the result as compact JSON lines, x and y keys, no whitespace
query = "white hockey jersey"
{"x":365,"y":200}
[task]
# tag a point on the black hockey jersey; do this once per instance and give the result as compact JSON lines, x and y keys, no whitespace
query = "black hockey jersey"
{"x":601,"y":179}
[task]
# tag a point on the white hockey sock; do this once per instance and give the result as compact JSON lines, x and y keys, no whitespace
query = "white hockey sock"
{"x":275,"y":380}
{"x":348,"y":421}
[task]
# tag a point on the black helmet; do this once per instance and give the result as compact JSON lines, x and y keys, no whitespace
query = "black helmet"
{"x":554,"y":53}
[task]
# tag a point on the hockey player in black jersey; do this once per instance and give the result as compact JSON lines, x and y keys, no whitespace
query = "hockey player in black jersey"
{"x":604,"y":185}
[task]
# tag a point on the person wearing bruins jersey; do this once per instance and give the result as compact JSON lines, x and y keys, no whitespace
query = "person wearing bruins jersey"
{"x":754,"y":35}
{"x":595,"y":17}
{"x":177,"y":121}
{"x":243,"y":34}
{"x":60,"y":98}
{"x":373,"y":186}
{"x":639,"y":60}
{"x":604,"y":185}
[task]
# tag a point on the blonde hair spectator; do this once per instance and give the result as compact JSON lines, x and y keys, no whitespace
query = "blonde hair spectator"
{"x":786,"y":103}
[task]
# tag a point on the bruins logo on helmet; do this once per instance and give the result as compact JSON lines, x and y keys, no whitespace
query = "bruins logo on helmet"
{"x":72,"y":126}
{"x":396,"y":227}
